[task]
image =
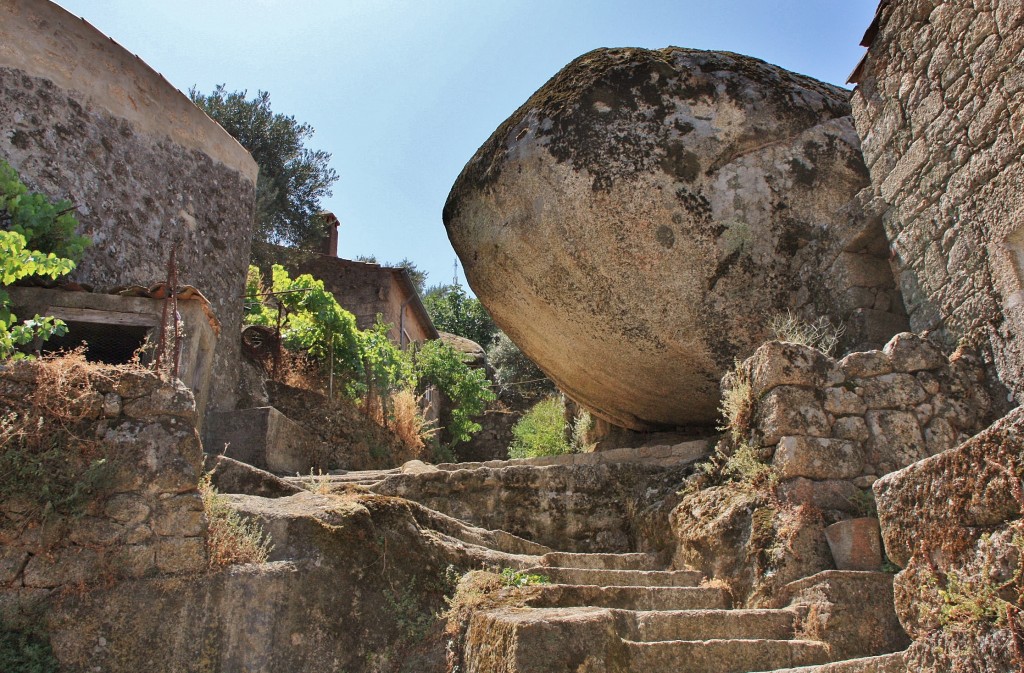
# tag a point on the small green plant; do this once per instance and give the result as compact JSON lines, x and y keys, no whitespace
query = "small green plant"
{"x":582,"y":424}
{"x":413,"y":618}
{"x":746,"y":466}
{"x":541,"y":431}
{"x":511,"y":577}
{"x":863,"y":503}
{"x":316,"y":482}
{"x":230,"y":539}
{"x":26,"y":652}
{"x":820,"y":334}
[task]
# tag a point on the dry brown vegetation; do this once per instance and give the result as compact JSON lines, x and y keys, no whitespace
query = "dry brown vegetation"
{"x":230,"y":538}
{"x":49,"y":458}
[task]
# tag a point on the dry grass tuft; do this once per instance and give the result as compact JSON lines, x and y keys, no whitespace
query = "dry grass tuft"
{"x":49,"y":455}
{"x":407,"y":421}
{"x":230,"y":538}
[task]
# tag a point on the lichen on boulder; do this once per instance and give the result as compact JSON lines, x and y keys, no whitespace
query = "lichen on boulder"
{"x":635,"y":224}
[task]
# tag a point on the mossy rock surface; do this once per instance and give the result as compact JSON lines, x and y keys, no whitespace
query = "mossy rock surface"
{"x":636,"y":222}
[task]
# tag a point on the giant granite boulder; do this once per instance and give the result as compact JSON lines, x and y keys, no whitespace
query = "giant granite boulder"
{"x":636,"y":223}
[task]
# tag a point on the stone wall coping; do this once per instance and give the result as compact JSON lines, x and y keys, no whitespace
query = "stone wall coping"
{"x":664,"y":454}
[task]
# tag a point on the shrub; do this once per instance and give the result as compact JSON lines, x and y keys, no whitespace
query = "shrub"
{"x":437,"y":363}
{"x":737,"y":404}
{"x":48,"y":454}
{"x":46,"y":226}
{"x":37,"y":238}
{"x":541,"y":431}
{"x":517,"y":376}
{"x":231,"y":538}
{"x":820,"y":334}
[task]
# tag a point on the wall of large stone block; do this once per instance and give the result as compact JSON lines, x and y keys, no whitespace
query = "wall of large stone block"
{"x":940,"y":110}
{"x":832,"y":427}
{"x":85,"y":120}
{"x":147,"y":517}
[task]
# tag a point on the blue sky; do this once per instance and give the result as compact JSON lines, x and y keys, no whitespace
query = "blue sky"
{"x":403,"y":92}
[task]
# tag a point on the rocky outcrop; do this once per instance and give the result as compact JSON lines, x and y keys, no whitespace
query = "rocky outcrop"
{"x":953,"y":521}
{"x":635,"y":224}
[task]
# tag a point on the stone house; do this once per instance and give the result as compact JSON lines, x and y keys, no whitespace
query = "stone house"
{"x":365,"y":289}
{"x":939,"y":106}
{"x":148,"y":171}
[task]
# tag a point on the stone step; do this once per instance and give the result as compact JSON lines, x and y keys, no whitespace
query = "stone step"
{"x":707,"y":625}
{"x":886,"y":663}
{"x":563,"y":559}
{"x":340,"y":479}
{"x":630,"y":598}
{"x":620,"y":578}
{"x":498,"y":540}
{"x":723,"y":656}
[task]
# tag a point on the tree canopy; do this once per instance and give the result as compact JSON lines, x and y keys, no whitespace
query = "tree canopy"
{"x":293,"y":179}
{"x":452,"y":310}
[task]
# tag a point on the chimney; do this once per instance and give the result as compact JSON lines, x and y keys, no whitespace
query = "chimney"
{"x":331,"y":239}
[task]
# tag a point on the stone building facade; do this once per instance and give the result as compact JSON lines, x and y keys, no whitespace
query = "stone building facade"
{"x":362,"y":288}
{"x":939,"y":105}
{"x":85,"y":120}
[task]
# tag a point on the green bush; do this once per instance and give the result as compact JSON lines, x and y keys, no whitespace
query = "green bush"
{"x":37,"y":238}
{"x":516,"y":375}
{"x":26,"y":652}
{"x":541,"y":431}
{"x":437,"y":363}
{"x":45,"y":226}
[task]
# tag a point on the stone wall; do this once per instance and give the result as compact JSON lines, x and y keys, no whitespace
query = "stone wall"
{"x":940,"y":109}
{"x":830,"y":428}
{"x":146,"y":520}
{"x":85,"y":120}
{"x":612,"y":501}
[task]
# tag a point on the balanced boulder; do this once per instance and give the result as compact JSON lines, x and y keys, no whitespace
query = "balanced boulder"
{"x":637,"y":222}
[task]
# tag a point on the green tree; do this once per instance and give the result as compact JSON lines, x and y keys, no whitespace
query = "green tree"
{"x":293,"y":179}
{"x":517,"y":376}
{"x":452,"y":310}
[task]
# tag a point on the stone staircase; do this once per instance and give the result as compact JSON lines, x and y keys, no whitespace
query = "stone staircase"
{"x":596,"y":612}
{"x":617,"y":613}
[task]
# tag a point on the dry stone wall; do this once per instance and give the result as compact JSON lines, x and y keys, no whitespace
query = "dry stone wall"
{"x":85,"y":120}
{"x":149,"y":518}
{"x":940,"y":109}
{"x":833,"y":427}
